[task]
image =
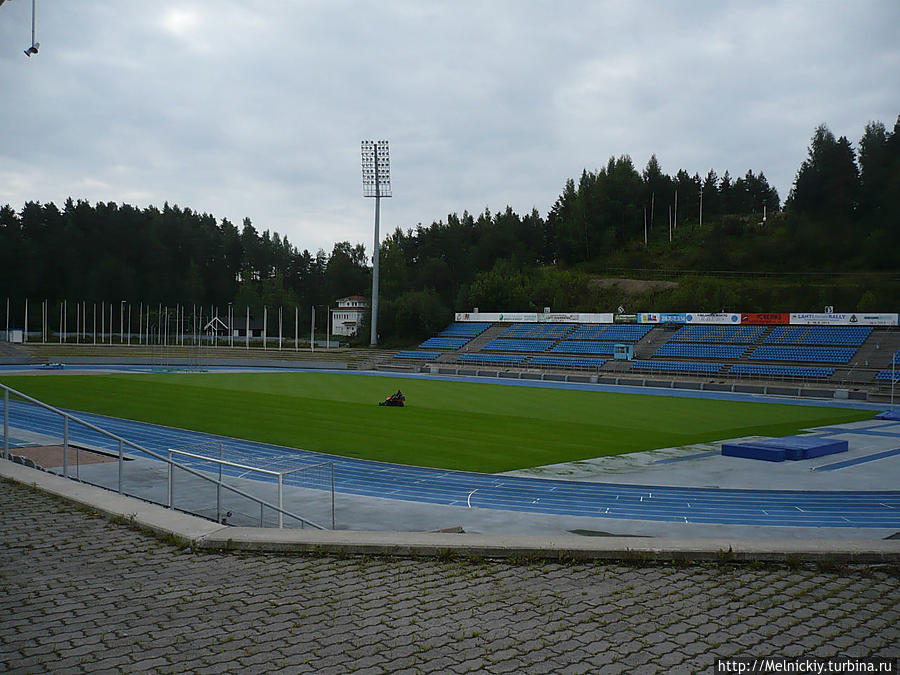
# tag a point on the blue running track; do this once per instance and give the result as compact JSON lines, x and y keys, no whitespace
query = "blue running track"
{"x":458,"y":488}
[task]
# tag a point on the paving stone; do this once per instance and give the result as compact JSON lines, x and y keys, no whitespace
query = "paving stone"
{"x":89,"y":596}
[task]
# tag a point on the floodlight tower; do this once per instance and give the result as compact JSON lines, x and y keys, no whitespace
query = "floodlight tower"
{"x":376,"y":180}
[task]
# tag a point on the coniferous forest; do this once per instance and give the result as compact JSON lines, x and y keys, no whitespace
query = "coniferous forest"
{"x":833,"y":241}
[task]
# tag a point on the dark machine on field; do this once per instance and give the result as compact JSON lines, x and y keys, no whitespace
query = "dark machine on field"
{"x":394,"y":400}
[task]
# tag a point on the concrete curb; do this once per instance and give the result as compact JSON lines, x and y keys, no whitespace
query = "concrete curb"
{"x":205,"y":535}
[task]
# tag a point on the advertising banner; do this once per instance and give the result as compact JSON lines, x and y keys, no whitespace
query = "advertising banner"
{"x":605,"y":317}
{"x":558,"y":318}
{"x":672,"y":317}
{"x":858,"y":319}
{"x":771,"y":319}
{"x":625,"y":318}
{"x":520,"y":317}
{"x":721,"y":318}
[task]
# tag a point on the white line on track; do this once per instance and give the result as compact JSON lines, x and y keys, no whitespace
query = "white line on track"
{"x":469,"y":498}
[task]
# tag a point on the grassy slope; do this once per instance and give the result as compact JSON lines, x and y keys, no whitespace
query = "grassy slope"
{"x":478,"y":427}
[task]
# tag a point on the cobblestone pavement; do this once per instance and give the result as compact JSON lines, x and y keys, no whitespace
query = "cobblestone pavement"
{"x":81,"y":594}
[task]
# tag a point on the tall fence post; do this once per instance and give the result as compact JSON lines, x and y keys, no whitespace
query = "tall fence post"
{"x":219,"y":485}
{"x":6,"y":424}
{"x":170,"y":479}
{"x":280,"y":500}
{"x":121,"y":462}
{"x":66,"y":446}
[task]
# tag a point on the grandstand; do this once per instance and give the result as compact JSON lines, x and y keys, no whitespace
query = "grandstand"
{"x":802,"y":356}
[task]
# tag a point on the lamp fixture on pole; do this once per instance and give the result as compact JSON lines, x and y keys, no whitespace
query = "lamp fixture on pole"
{"x":376,"y":180}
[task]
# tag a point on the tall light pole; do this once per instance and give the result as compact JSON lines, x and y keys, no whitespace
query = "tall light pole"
{"x":376,"y":179}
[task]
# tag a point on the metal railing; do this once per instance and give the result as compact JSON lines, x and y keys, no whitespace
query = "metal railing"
{"x":221,"y":462}
{"x":122,"y":443}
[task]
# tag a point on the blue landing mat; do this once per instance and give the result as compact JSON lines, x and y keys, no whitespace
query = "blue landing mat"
{"x":888,"y":415}
{"x":790,"y":447}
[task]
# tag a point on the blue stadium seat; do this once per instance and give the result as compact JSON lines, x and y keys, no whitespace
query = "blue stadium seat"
{"x":444,"y":343}
{"x":702,"y":351}
{"x":718,"y":334}
{"x":779,"y":371}
{"x":492,"y":358}
{"x":819,"y":335}
{"x":566,"y":361}
{"x":464,"y":329}
{"x":537,"y":331}
{"x":506,"y":345}
{"x":690,"y":367}
{"x":803,"y":354}
{"x":610,"y":332}
{"x":584,"y":347}
{"x":415,"y":354}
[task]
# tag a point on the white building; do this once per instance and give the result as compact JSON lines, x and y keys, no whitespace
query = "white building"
{"x":347,"y":318}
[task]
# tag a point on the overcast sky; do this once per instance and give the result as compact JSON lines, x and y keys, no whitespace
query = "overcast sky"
{"x":256,"y":108}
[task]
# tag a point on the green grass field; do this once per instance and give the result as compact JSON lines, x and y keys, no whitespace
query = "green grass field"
{"x":454,"y":425}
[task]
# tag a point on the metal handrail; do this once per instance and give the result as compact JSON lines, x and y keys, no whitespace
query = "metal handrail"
{"x":121,"y":457}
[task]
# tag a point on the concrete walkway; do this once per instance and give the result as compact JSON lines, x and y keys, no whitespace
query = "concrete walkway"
{"x":81,"y":593}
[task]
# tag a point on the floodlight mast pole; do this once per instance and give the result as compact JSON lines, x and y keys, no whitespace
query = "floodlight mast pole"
{"x":376,"y":174}
{"x":375,"y":258}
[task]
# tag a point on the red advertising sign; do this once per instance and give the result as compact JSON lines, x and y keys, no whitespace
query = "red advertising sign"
{"x":765,"y":319}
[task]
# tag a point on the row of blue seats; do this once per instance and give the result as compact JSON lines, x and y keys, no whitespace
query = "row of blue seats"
{"x":444,"y":343}
{"x":533,"y":361}
{"x":537,"y":331}
{"x":819,"y":335}
{"x":566,"y":361}
{"x":584,"y":347}
{"x":416,"y":354}
{"x":702,"y":351}
{"x":888,"y":374}
{"x":503,"y":345}
{"x":812,"y":354}
{"x":609,"y":332}
{"x":677,"y":366}
{"x":720,"y":334}
{"x":779,"y":371}
{"x":492,"y":358}
{"x":467,"y":330}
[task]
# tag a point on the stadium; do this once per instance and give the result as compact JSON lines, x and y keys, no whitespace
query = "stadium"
{"x":650,"y":424}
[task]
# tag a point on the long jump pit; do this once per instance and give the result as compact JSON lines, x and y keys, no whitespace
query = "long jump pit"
{"x":51,"y":456}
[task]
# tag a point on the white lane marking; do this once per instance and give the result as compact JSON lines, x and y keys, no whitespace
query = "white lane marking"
{"x":469,"y":498}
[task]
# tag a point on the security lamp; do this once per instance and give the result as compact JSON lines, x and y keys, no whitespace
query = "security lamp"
{"x":33,"y":49}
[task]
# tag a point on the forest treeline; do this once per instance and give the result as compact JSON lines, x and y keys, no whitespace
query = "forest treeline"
{"x":840,"y":225}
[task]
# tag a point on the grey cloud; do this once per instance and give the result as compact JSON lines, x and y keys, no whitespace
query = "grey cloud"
{"x":256,"y":108}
